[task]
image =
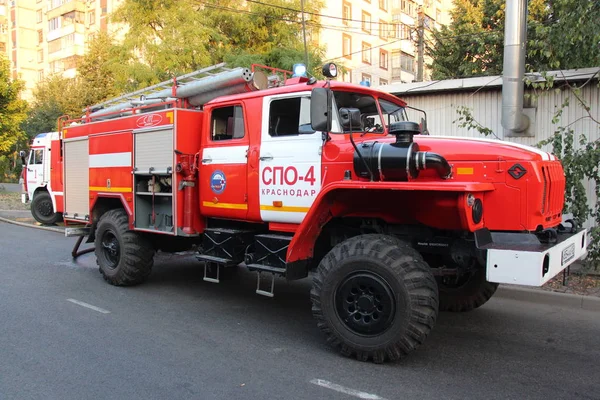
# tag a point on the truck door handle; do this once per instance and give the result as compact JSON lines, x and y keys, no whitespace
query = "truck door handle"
{"x":207,"y":160}
{"x":266,"y":158}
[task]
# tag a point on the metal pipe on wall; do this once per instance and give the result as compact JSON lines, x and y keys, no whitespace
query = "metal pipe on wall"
{"x":515,"y":41}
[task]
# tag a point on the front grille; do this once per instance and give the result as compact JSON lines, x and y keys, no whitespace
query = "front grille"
{"x":554,"y":190}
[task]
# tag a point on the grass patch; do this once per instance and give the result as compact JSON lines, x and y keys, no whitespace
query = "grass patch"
{"x":11,"y":201}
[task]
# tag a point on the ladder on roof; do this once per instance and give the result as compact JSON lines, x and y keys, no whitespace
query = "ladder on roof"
{"x":182,"y":80}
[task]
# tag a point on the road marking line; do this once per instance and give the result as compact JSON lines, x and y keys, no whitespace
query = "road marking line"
{"x":91,"y":307}
{"x":345,"y":390}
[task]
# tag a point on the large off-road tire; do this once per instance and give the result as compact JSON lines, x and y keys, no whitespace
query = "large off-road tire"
{"x":374,"y":298}
{"x":468,"y":293}
{"x":124,"y":257}
{"x":42,"y":209}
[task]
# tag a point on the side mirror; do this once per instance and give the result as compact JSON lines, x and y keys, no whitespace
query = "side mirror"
{"x":320,"y":109}
{"x":22,"y":155}
{"x":305,"y":129}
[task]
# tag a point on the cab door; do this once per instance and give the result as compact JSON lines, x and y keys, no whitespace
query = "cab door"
{"x":224,"y":163}
{"x":35,"y":170}
{"x":290,"y":159}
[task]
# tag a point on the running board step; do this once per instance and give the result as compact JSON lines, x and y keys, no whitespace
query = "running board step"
{"x":266,"y":268}
{"x":215,"y":260}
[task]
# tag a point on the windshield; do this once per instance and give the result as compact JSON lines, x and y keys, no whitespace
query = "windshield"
{"x":370,"y":119}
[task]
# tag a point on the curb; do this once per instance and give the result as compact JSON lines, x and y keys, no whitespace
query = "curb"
{"x":45,"y":228}
{"x":568,"y":300}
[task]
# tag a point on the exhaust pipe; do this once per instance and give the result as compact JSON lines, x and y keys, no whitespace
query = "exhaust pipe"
{"x":515,"y":40}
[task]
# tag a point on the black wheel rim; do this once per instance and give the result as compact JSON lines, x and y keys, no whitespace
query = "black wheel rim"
{"x":365,"y":303}
{"x":111,"y":249}
{"x":44,"y":207}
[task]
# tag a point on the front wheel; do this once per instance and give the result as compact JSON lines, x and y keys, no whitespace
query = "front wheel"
{"x":374,"y":298}
{"x":42,"y":209}
{"x":124,"y":257}
{"x":465,"y":293}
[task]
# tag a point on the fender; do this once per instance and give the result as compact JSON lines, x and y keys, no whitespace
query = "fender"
{"x":325,"y":208}
{"x":107,"y":195}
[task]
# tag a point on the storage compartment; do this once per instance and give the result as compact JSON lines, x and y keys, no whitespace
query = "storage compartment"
{"x":154,"y":202}
{"x":77,"y":179}
{"x":154,"y":151}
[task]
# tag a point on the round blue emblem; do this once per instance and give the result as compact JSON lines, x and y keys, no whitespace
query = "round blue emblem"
{"x":218,"y":182}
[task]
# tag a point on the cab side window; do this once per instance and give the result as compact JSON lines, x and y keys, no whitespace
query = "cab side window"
{"x":38,"y":157}
{"x":290,"y":116}
{"x":227,"y":123}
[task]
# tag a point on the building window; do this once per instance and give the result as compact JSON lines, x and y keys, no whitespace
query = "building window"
{"x":40,"y":36}
{"x":402,"y":31}
{"x":40,"y":56}
{"x":38,"y":16}
{"x":383,"y":59}
{"x":40,"y":75}
{"x":366,"y":53}
{"x":407,"y":63}
{"x":383,"y":4}
{"x":383,"y":82}
{"x":365,"y":78}
{"x":92,"y":17}
{"x":347,"y":77}
{"x":383,"y":30}
{"x":346,"y":13}
{"x":347,"y":46}
{"x":366,"y":22}
{"x":54,"y":24}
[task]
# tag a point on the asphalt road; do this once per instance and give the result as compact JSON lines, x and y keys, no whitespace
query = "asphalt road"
{"x":178,"y":337}
{"x":11,"y":187}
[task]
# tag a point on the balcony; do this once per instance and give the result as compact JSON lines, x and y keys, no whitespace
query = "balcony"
{"x":73,"y":5}
{"x":64,"y":31}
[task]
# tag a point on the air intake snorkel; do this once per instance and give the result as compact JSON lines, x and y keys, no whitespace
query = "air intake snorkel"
{"x":400,"y":160}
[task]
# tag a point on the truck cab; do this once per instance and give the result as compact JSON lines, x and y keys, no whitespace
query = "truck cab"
{"x":41,"y":182}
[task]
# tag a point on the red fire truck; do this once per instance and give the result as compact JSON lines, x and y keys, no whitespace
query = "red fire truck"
{"x":291,"y":177}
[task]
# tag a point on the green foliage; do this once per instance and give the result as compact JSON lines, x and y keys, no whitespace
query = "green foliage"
{"x":177,"y":37}
{"x":561,"y":34}
{"x":581,"y":162}
{"x":12,"y":114}
{"x":466,"y":120}
{"x":53,"y":97}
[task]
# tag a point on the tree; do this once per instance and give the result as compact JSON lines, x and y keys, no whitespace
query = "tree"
{"x":561,"y":34}
{"x":53,"y":97}
{"x":12,"y":114}
{"x":176,"y":37}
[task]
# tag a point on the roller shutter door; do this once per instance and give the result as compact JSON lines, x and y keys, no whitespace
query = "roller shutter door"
{"x":77,"y":179}
{"x":154,"y":150}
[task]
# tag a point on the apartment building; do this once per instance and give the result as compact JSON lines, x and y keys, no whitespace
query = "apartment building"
{"x":44,"y":37}
{"x":377,"y":40}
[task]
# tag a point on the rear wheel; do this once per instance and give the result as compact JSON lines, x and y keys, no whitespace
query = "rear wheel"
{"x":42,"y":209}
{"x":374,"y":298}
{"x":124,"y":257}
{"x":465,"y":293}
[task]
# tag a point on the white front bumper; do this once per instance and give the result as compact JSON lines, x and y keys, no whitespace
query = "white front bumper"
{"x":535,"y":267}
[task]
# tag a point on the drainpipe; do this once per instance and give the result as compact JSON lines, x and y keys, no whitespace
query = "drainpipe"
{"x":515,"y":40}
